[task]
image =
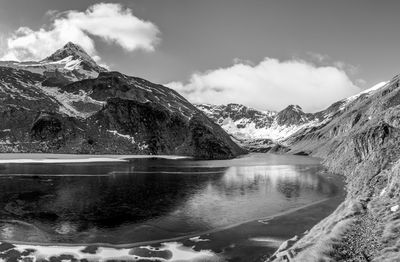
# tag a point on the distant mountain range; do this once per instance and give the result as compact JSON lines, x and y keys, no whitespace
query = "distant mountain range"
{"x":66,"y":103}
{"x":263,"y":131}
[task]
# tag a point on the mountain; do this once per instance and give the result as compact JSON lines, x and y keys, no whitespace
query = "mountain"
{"x":245,"y":122}
{"x":361,"y":141}
{"x":66,"y":103}
{"x":260,"y":131}
{"x":68,"y":64}
{"x":293,"y":115}
{"x":270,"y":131}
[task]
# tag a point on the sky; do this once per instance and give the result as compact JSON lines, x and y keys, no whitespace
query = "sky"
{"x":265,"y":54}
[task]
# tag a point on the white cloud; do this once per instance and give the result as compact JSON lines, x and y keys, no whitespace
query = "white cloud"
{"x":110,"y":22}
{"x":271,"y":84}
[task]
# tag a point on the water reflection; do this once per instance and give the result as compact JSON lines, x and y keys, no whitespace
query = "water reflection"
{"x":147,"y":199}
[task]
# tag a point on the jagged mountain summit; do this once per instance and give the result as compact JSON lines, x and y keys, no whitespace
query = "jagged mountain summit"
{"x":68,"y":64}
{"x":256,"y":130}
{"x":248,"y":123}
{"x":293,"y":115}
{"x":76,"y":58}
{"x":66,"y":103}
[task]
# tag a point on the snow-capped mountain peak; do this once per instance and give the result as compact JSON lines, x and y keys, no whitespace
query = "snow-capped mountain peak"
{"x":246,"y":123}
{"x":68,"y":64}
{"x":73,"y":55}
{"x":70,"y":49}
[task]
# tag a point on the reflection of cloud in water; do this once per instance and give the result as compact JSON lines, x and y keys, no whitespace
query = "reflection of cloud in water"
{"x":251,"y":192}
{"x":273,"y":174}
{"x":288,"y":180}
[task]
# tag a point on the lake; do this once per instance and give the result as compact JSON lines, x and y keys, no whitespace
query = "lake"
{"x":150,"y":200}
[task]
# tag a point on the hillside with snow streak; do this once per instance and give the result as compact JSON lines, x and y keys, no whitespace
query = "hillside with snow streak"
{"x":66,"y":103}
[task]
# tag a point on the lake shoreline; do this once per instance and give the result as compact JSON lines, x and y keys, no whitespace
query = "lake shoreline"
{"x":47,"y":158}
{"x":179,"y":238}
{"x":253,"y":239}
{"x":232,"y":243}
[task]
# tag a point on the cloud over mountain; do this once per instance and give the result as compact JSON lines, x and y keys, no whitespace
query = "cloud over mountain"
{"x":109,"y":21}
{"x":270,"y":84}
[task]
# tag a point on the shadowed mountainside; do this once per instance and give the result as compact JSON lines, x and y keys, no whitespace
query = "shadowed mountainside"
{"x":66,"y":103}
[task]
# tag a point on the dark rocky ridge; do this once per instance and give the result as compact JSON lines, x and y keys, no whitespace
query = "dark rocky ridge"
{"x":293,"y":115}
{"x":110,"y":114}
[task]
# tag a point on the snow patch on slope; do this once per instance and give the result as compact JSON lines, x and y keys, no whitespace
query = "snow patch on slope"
{"x":368,"y":91}
{"x":128,"y":137}
{"x":131,"y":139}
{"x":250,"y":131}
{"x":67,"y":99}
{"x":65,"y":65}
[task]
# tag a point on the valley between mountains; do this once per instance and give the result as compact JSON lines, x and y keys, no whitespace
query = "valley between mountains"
{"x":67,"y":103}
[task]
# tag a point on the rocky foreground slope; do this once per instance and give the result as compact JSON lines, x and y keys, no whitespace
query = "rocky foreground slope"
{"x":362,"y":141}
{"x":66,"y":103}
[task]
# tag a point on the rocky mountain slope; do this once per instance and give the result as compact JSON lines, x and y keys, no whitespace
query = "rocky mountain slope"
{"x":361,"y":142}
{"x":67,"y":103}
{"x":358,"y":137}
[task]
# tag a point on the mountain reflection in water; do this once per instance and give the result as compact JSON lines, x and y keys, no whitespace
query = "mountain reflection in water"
{"x":148,"y":199}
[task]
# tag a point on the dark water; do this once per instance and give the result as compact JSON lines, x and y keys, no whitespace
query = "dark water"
{"x":148,"y":199}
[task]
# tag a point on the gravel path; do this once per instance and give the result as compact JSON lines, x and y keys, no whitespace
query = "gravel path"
{"x":361,"y":243}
